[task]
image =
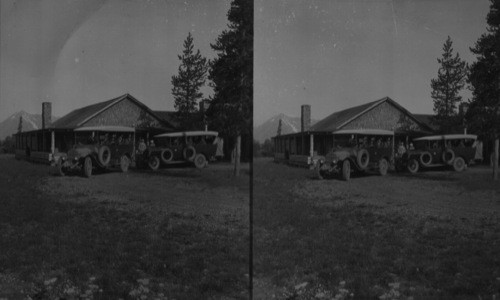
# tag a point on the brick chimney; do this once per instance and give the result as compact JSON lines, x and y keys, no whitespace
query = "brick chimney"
{"x":305,"y":117}
{"x":46,"y":114}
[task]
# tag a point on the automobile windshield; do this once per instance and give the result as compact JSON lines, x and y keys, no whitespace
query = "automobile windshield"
{"x":190,"y":140}
{"x":469,"y":142}
{"x":381,"y":142}
{"x":115,"y":138}
{"x":460,"y":143}
{"x":83,"y":138}
{"x":374,"y":141}
{"x":421,"y":145}
{"x":344,"y":141}
{"x":104,"y":138}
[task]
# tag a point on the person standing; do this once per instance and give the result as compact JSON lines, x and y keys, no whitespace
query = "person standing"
{"x":478,"y":156}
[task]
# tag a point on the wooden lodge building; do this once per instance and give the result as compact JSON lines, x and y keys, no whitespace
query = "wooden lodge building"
{"x":387,"y":114}
{"x":41,"y":145}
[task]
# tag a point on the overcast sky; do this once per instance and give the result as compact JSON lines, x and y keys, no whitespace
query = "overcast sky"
{"x":334,"y":54}
{"x":79,"y":52}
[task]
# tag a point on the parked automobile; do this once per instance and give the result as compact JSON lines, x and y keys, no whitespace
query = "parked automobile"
{"x":193,"y":147}
{"x":357,"y":150}
{"x":100,"y":147}
{"x":454,"y":150}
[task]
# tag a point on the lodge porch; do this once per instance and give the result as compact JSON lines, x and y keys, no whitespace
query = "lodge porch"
{"x":300,"y":149}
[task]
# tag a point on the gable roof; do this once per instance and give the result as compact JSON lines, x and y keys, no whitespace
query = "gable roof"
{"x":80,"y":116}
{"x":341,"y":118}
{"x":168,"y":116}
{"x":427,"y":120}
{"x":338,"y":119}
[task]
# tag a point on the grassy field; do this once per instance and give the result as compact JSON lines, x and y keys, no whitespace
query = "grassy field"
{"x":434,"y":235}
{"x":176,"y":234}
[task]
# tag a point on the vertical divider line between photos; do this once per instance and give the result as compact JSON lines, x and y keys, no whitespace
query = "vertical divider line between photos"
{"x":250,"y":210}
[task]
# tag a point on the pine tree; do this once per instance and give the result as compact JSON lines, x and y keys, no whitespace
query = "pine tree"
{"x":20,"y":126}
{"x":231,"y":74}
{"x":191,"y":77}
{"x":279,"y":128}
{"x":446,"y":88}
{"x":483,"y":114}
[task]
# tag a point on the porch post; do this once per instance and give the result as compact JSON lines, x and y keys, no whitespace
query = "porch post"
{"x":52,"y":141}
{"x":393,"y":145}
{"x":311,"y":145}
{"x":303,"y":150}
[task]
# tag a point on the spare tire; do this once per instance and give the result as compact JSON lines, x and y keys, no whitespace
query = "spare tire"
{"x":142,"y":147}
{"x":104,"y":155}
{"x":425,"y":158}
{"x":166,"y":155}
{"x":124,"y":163}
{"x":448,"y":156}
{"x":363,"y":159}
{"x":189,"y":153}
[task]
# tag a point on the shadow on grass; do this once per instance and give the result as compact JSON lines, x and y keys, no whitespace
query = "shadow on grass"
{"x":435,"y":174}
{"x":171,"y":172}
{"x":338,"y":176}
{"x":79,"y":172}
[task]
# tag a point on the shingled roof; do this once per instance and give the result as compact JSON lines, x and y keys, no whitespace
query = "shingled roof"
{"x":79,"y":117}
{"x":168,"y":116}
{"x":336,"y":120}
{"x":341,"y":118}
{"x":427,"y":120}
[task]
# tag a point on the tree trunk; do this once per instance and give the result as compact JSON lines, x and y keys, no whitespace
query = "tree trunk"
{"x":237,"y":155}
{"x":495,"y":159}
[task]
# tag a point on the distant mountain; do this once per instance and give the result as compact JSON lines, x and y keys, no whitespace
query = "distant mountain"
{"x":269,"y":128}
{"x":30,"y":122}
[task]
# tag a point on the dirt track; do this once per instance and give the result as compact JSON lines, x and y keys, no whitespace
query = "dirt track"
{"x":440,"y":193}
{"x":300,"y":221}
{"x":186,"y":190}
{"x":192,"y":222}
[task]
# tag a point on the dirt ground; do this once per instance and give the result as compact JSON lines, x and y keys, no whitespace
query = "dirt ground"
{"x":208,"y":205}
{"x":412,"y":217}
{"x":436,"y":233}
{"x":210,"y":191}
{"x":434,"y":192}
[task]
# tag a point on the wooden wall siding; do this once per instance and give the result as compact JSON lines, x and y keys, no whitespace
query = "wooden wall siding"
{"x":36,"y":141}
{"x":385,"y":116}
{"x":125,"y":113}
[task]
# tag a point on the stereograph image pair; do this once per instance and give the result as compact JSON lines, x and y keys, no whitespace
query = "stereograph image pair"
{"x":241,"y":149}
